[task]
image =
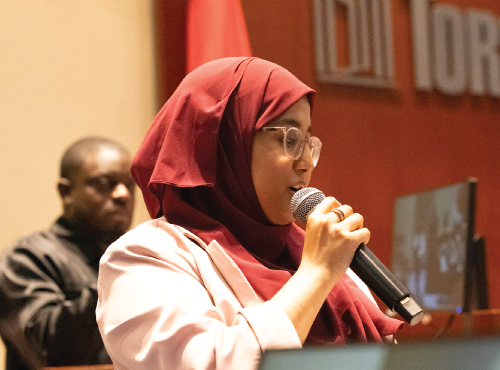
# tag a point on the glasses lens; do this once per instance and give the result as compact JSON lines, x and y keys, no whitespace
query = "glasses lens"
{"x":315,"y":145}
{"x":294,"y":142}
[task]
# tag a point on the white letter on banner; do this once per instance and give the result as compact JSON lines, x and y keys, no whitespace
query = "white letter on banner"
{"x":449,"y":50}
{"x":484,"y":53}
{"x":421,"y":49}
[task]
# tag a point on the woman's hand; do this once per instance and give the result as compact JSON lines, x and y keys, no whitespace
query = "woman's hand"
{"x":330,"y":243}
{"x":329,"y":246}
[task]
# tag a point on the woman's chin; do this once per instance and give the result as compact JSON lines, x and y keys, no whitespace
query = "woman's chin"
{"x":283,"y":220}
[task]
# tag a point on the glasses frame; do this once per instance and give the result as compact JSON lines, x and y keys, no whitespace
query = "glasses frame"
{"x":303,"y":142}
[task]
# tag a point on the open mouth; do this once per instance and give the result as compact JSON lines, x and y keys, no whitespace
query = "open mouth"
{"x":295,"y":189}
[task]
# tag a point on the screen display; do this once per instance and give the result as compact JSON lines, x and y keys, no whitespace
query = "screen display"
{"x":459,"y":354}
{"x":430,"y":236}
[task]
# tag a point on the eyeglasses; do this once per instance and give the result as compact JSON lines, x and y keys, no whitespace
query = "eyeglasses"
{"x":294,"y":143}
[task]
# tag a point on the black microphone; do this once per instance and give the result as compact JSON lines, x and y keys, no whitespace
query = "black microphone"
{"x":365,"y":264}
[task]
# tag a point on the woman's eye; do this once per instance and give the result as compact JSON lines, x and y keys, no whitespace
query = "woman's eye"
{"x":291,"y":142}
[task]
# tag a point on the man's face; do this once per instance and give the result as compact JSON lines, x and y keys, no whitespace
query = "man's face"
{"x":101,"y":195}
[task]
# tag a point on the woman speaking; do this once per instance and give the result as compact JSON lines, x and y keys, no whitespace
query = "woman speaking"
{"x":221,"y":273}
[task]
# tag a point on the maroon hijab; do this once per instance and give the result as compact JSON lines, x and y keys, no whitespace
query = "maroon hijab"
{"x":194,"y":167}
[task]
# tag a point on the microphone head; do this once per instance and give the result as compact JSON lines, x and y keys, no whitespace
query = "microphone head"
{"x":304,"y":201}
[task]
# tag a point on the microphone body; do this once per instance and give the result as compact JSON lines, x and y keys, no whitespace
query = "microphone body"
{"x":365,"y":264}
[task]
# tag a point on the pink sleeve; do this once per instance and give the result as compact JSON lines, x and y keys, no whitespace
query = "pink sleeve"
{"x":269,"y":322}
{"x":154,"y":312}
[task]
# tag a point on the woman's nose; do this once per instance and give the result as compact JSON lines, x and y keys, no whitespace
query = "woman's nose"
{"x":305,"y":161}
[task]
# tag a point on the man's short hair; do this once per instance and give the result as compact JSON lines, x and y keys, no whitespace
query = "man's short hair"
{"x":74,"y":156}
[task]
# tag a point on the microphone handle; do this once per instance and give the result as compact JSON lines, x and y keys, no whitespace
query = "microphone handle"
{"x":385,"y":285}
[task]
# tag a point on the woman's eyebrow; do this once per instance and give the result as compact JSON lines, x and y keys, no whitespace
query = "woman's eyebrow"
{"x":292,"y":122}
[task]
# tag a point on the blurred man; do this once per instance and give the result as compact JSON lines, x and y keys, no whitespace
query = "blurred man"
{"x":48,"y":279}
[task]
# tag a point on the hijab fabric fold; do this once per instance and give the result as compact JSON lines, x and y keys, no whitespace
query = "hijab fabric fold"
{"x":194,"y":167}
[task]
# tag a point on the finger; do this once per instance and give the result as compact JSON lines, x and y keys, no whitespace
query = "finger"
{"x":326,"y":205}
{"x":354,"y":222}
{"x":342,"y":212}
{"x":363,"y":235}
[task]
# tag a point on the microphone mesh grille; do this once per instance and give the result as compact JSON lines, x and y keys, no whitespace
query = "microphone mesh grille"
{"x":304,"y":201}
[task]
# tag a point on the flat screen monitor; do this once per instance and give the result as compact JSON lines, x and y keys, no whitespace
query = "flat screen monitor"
{"x":463,"y":354}
{"x":435,"y":253}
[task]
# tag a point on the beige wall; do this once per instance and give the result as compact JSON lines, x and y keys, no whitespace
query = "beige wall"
{"x":67,"y":69}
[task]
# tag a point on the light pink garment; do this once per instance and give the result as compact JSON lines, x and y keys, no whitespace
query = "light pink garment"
{"x":168,"y":303}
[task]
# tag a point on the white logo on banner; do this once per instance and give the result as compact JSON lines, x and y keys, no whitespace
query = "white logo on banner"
{"x":369,"y":32}
{"x":454,"y":50}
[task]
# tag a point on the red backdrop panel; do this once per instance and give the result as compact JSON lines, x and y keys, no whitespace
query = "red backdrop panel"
{"x":378,"y":144}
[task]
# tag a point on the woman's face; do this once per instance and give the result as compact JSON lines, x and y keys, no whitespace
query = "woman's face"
{"x":277,"y":177}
